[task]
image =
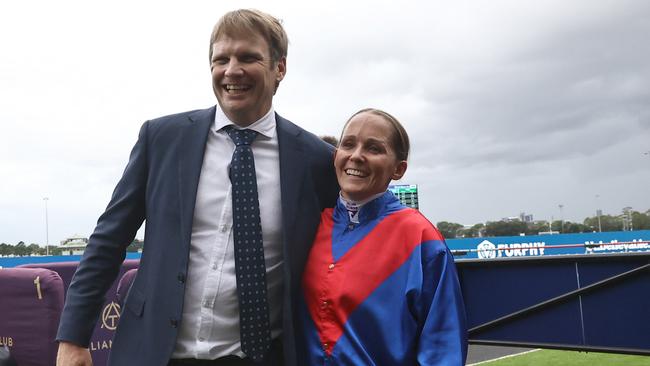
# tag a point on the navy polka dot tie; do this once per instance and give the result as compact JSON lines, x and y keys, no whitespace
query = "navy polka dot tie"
{"x":249,"y":252}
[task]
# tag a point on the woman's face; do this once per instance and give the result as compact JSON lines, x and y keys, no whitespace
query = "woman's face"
{"x":365,"y":160}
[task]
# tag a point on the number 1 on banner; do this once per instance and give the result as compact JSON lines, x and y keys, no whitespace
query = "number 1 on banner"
{"x":37,"y":282}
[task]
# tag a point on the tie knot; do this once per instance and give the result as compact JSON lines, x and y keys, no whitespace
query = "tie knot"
{"x":241,"y":137}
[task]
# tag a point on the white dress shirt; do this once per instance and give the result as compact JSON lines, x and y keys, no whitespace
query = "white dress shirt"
{"x":210,"y":324}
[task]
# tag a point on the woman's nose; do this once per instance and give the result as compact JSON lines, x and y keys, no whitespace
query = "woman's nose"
{"x":357,"y":154}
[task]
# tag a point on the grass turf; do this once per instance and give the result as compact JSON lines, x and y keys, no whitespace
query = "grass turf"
{"x":554,"y":357}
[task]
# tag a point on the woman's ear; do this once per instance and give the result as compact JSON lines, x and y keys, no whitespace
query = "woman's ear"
{"x":399,"y":170}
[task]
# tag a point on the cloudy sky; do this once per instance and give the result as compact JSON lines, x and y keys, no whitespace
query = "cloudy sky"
{"x":512,"y":106}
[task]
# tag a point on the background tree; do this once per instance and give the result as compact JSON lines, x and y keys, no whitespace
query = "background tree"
{"x":607,"y":223}
{"x":135,"y":246}
{"x":475,"y":231}
{"x":505,"y":228}
{"x":33,"y":249}
{"x":574,"y":227}
{"x":21,"y":249}
{"x":558,"y":225}
{"x":641,"y":221}
{"x":6,"y":249}
{"x":449,"y":230}
{"x":536,"y":227}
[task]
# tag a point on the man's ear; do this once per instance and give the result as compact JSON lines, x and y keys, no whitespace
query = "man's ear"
{"x":282,"y":69}
{"x":399,"y":170}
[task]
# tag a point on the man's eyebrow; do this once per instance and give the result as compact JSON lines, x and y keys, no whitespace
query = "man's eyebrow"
{"x":248,"y":53}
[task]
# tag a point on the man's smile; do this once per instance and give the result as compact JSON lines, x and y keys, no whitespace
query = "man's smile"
{"x":236,"y":88}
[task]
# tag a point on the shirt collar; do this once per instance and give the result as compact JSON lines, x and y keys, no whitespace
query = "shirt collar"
{"x":264,"y":126}
{"x":354,"y":207}
{"x":351,"y":204}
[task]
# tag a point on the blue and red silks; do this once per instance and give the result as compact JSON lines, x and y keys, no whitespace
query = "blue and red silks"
{"x":381,"y":292}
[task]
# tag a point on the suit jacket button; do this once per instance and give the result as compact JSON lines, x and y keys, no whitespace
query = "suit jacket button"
{"x":173,"y":322}
{"x":181,"y":277}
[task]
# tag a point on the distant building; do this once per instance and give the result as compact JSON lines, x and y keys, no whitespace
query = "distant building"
{"x":510,"y":219}
{"x":527,"y":218}
{"x":74,"y":245}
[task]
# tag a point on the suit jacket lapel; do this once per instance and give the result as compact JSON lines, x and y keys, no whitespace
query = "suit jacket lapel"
{"x":193,"y":139}
{"x":292,"y":172}
{"x":194,"y":135}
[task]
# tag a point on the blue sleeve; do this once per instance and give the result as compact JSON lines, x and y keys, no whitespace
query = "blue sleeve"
{"x":443,"y":339}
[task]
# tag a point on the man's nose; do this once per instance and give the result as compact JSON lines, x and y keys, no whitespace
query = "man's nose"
{"x":234,"y":68}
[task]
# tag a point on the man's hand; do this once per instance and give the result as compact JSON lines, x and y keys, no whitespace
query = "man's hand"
{"x":71,"y":354}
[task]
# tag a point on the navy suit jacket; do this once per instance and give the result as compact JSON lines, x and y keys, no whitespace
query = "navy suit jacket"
{"x":159,"y":185}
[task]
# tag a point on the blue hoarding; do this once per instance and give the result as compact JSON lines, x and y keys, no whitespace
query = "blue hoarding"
{"x":8,"y":262}
{"x":544,"y":245}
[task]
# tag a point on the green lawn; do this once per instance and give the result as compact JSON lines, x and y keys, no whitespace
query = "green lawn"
{"x":558,"y":358}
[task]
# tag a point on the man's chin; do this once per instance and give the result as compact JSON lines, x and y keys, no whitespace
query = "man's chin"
{"x":235,"y":105}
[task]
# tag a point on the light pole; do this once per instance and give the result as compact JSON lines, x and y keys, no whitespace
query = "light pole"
{"x":598,"y":212}
{"x":627,"y":219}
{"x":561,"y":206}
{"x":47,"y":229}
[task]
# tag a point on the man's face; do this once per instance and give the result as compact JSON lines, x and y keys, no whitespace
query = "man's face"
{"x":244,"y":76}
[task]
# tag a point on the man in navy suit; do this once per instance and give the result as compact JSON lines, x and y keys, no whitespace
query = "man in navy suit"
{"x":182,"y":308}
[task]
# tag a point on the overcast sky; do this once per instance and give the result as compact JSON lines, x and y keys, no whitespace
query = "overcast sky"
{"x":512,"y":106}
